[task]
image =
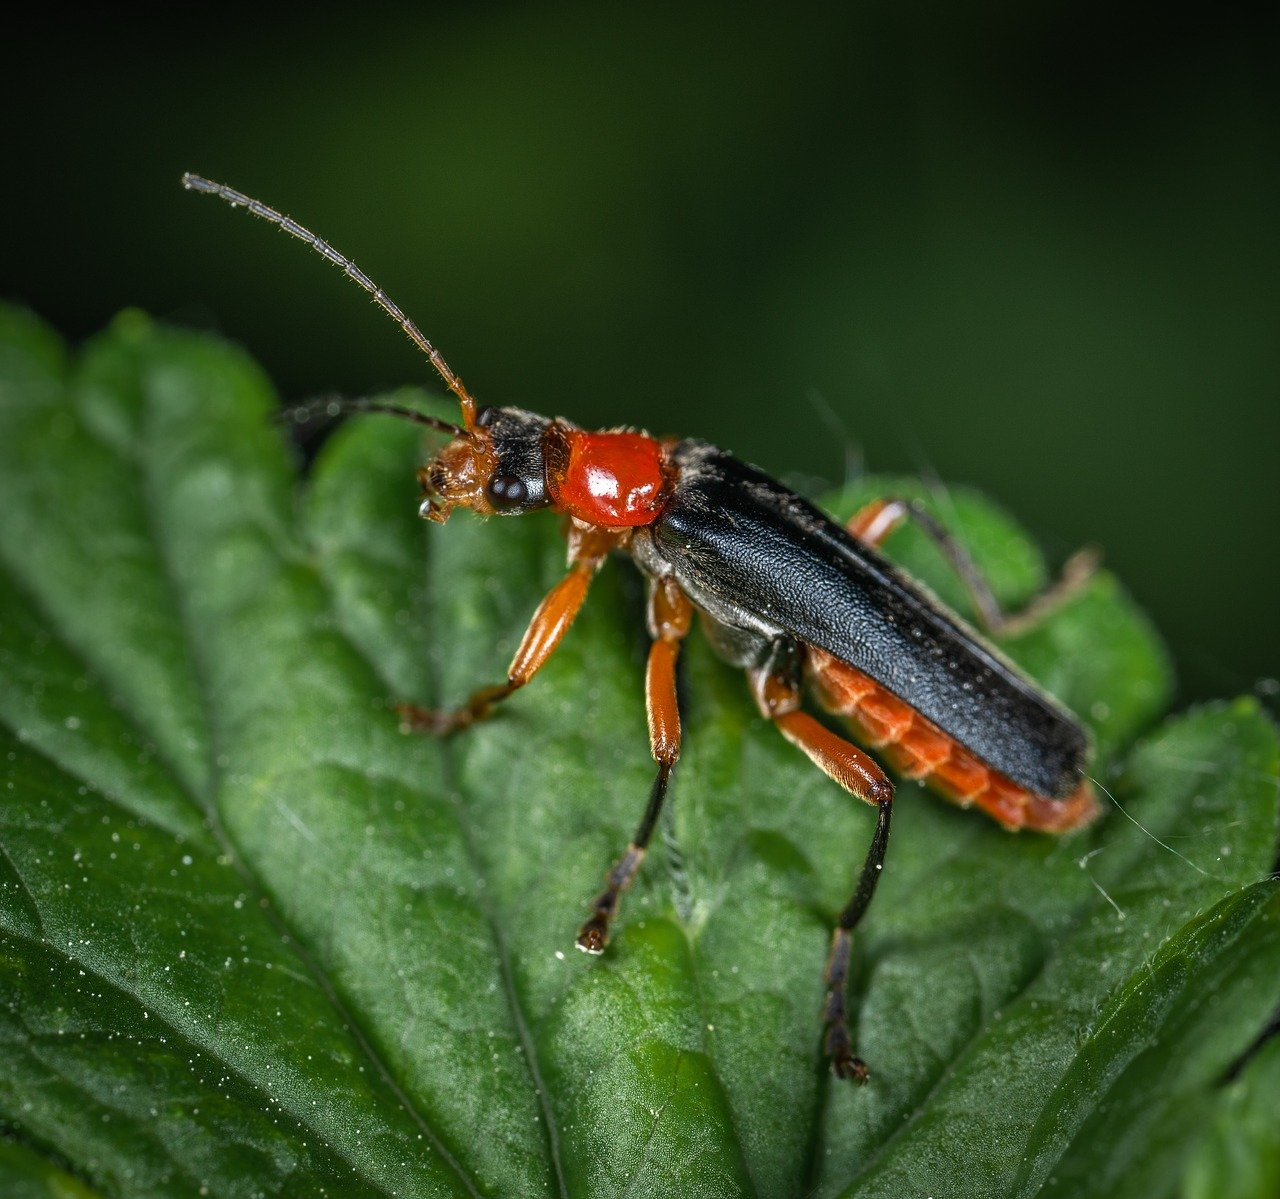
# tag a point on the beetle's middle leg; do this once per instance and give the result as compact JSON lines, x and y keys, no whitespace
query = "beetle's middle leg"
{"x":876,"y":520}
{"x":776,"y":686}
{"x":670,"y":615}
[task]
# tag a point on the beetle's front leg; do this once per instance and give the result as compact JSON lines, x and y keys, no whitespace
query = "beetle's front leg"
{"x":876,"y":520}
{"x":776,"y":686}
{"x":670,"y":615}
{"x":549,"y":624}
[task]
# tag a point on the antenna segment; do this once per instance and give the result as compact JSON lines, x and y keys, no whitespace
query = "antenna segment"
{"x":302,"y":413}
{"x":354,"y":273}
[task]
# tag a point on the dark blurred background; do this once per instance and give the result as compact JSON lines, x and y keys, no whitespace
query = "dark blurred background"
{"x":1029,"y":246}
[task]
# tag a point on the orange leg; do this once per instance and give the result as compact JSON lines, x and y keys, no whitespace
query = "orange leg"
{"x":549,"y":624}
{"x":670,"y":615}
{"x":876,"y":520}
{"x":777,"y":692}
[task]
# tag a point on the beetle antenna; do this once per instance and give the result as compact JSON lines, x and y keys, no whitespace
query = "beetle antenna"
{"x":354,"y":273}
{"x":302,"y":413}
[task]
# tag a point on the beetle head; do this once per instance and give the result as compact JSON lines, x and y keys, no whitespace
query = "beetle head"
{"x":499,"y":466}
{"x":495,"y":462}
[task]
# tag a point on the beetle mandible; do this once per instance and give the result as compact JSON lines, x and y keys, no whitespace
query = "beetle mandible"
{"x":781,"y":591}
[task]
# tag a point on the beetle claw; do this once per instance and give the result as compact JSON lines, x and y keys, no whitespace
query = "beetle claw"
{"x":414,"y":719}
{"x":844,"y":1062}
{"x":851,"y":1067}
{"x":594,"y":935}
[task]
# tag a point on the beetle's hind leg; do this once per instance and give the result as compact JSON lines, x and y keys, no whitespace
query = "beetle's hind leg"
{"x":670,"y":615}
{"x":876,"y":520}
{"x":776,"y":686}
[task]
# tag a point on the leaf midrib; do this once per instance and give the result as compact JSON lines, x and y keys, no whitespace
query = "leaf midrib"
{"x":450,"y":773}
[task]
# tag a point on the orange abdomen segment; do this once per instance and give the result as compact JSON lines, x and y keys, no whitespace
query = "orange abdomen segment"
{"x":918,"y":749}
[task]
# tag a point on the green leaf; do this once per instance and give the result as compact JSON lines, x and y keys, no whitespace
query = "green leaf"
{"x":255,"y":940}
{"x":26,"y":1175}
{"x":1239,"y":1157}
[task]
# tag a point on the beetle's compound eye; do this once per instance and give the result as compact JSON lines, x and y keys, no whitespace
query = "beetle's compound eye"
{"x":506,"y":491}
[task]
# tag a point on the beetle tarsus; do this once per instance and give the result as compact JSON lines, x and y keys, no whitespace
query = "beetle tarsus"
{"x":437,"y":723}
{"x":434,"y":722}
{"x":593,"y":936}
{"x":850,"y":1066}
{"x":837,"y":1044}
{"x":414,"y":719}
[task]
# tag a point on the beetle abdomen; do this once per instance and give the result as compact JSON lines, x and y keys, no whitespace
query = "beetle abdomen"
{"x":756,"y":556}
{"x":920,"y":750}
